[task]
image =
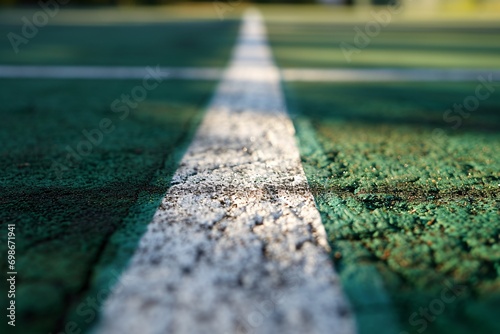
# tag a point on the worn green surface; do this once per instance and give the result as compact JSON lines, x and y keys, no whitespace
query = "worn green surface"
{"x":407,"y":211}
{"x":76,"y":230}
{"x":181,"y":43}
{"x":78,"y":220}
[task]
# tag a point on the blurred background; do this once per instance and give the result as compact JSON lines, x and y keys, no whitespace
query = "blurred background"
{"x":457,"y":4}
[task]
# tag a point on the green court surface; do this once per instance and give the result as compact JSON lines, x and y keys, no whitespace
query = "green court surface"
{"x":322,"y":37}
{"x":319,"y":45}
{"x":407,"y":191}
{"x":407,"y":187}
{"x":408,"y":209}
{"x":80,"y":215}
{"x":77,"y":217}
{"x":186,"y":42}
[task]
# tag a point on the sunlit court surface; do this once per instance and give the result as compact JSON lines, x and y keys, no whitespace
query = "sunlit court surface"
{"x":230,"y":167}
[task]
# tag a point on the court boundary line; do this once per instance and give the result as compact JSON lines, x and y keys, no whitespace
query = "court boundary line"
{"x":238,"y":228}
{"x":213,"y":73}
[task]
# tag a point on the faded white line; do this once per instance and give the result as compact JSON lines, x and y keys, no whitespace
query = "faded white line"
{"x":388,"y":75}
{"x":237,"y":245}
{"x":212,"y":73}
{"x":107,"y":72}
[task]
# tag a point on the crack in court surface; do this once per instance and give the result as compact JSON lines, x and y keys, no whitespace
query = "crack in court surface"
{"x":237,"y":245}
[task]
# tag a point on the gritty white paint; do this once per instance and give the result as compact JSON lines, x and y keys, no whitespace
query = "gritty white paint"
{"x":212,"y":73}
{"x":237,"y":245}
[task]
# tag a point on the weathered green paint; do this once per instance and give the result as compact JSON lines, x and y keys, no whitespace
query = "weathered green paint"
{"x":407,"y":211}
{"x":76,"y":231}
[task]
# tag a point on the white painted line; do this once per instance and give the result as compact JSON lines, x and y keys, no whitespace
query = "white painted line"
{"x":387,"y":75}
{"x":237,"y":245}
{"x":106,"y":72}
{"x":211,"y":73}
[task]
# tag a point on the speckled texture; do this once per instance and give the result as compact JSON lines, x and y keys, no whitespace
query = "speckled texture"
{"x":65,"y":221}
{"x":237,"y":245}
{"x":406,"y":212}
